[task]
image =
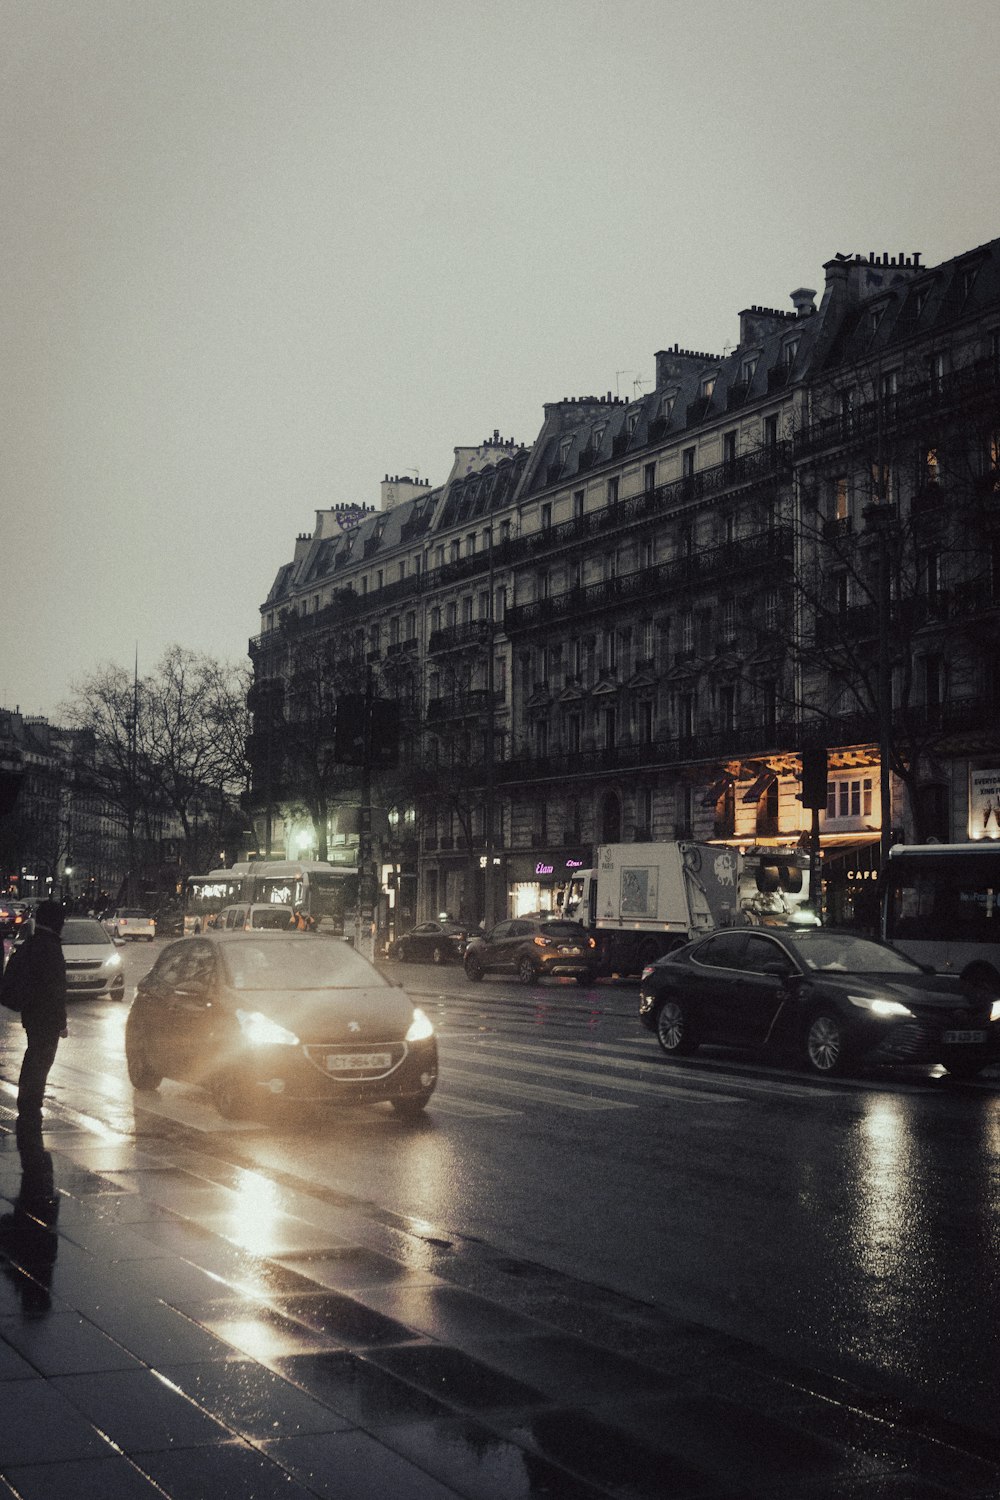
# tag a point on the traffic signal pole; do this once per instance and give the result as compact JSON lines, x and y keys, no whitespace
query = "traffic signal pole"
{"x":364,"y":939}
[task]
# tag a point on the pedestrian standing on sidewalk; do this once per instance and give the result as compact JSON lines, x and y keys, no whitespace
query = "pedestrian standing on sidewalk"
{"x":34,"y":983}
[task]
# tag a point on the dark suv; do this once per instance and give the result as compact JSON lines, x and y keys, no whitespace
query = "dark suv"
{"x":533,"y":948}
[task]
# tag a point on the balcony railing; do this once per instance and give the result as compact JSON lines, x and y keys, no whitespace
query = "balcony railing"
{"x":731,"y":559}
{"x":860,"y":622}
{"x":914,"y":403}
{"x":471,"y":704}
{"x":746,"y":738}
{"x":454,"y":637}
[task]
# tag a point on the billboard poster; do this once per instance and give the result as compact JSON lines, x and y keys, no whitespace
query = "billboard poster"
{"x":984,"y":804}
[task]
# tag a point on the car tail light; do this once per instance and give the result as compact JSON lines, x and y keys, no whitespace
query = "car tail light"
{"x":540,"y":942}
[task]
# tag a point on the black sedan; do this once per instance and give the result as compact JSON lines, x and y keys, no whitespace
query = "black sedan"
{"x":833,"y":999}
{"x":264,"y":1014}
{"x":431,"y":942}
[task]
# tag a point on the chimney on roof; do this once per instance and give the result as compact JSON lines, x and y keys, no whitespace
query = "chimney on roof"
{"x":804,"y":301}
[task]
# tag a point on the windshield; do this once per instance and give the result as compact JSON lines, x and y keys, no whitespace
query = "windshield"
{"x":841,"y":952}
{"x":79,"y":930}
{"x":298,"y":962}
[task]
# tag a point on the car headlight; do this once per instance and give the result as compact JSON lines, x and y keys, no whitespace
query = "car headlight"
{"x":995,"y":1011}
{"x":879,"y":1007}
{"x":113,"y":961}
{"x":261,"y":1031}
{"x":420,"y":1027}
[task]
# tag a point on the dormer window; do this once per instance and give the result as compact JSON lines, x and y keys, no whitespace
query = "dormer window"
{"x":666,"y":406}
{"x":597,"y":436}
{"x":564,"y":448}
{"x":748,"y":368}
{"x":631,"y":421}
{"x":707,"y":387}
{"x":969,"y":275}
{"x":874,"y":319}
{"x":788,"y":352}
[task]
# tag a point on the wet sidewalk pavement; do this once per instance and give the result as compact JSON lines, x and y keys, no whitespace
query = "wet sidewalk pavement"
{"x":187,"y":1329}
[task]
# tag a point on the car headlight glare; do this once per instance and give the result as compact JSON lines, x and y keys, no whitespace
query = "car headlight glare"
{"x":260,"y":1031}
{"x":995,"y":1011}
{"x":420,"y":1027}
{"x":113,"y":961}
{"x":879,"y":1007}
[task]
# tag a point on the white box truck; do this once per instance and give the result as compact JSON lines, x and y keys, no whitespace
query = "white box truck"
{"x":642,"y":900}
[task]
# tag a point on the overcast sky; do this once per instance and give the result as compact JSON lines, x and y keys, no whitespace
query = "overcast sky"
{"x":255,"y":255}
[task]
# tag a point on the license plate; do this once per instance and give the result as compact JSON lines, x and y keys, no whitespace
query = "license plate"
{"x":971,"y":1037}
{"x":357,"y":1062}
{"x":570,"y":952}
{"x":80,"y":978}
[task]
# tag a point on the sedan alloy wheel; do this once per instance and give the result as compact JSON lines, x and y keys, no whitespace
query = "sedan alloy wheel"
{"x":826,"y":1044}
{"x":673,"y":1029}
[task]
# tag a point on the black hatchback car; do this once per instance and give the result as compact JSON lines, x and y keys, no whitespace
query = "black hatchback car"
{"x":257,"y":1014}
{"x":835,"y":999}
{"x":533,"y":948}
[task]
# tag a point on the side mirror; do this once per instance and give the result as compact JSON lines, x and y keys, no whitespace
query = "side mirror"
{"x":118,"y":942}
{"x":779,"y":971}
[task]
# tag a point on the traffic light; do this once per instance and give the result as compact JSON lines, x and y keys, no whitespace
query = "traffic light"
{"x":814,"y":776}
{"x":384,"y":732}
{"x":349,"y":730}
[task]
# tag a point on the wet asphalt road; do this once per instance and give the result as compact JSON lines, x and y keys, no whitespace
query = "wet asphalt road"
{"x":849,"y":1229}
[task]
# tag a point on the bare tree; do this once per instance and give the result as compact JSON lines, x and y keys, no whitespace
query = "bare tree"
{"x":897,"y":562}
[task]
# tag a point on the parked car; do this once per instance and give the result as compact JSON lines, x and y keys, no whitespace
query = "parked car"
{"x":169,"y":922}
{"x":833,"y":998}
{"x":533,"y":948}
{"x":430,"y":942}
{"x":130,"y":923}
{"x":255,"y":916}
{"x":253,"y":1014}
{"x":13,"y":916}
{"x":93,"y":962}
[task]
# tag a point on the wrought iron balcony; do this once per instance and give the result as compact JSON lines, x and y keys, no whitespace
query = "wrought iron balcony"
{"x":765,"y":550}
{"x":455,"y":637}
{"x":744,"y":739}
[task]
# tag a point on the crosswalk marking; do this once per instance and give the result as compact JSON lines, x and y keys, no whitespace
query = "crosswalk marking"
{"x":514,"y":1088}
{"x":689,"y":1083}
{"x":659,"y":1089}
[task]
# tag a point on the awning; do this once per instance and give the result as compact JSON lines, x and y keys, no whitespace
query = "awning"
{"x":765,"y":781}
{"x":716,"y":790}
{"x":849,"y":849}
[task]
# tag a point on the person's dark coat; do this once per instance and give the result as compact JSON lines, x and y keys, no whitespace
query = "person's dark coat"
{"x":43,"y":1010}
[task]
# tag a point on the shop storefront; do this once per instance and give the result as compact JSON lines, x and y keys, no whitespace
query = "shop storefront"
{"x":850,"y":874}
{"x":537,"y":882}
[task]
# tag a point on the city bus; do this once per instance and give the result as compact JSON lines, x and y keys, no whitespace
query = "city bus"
{"x":327,"y":892}
{"x":941,"y":905}
{"x":206,"y":895}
